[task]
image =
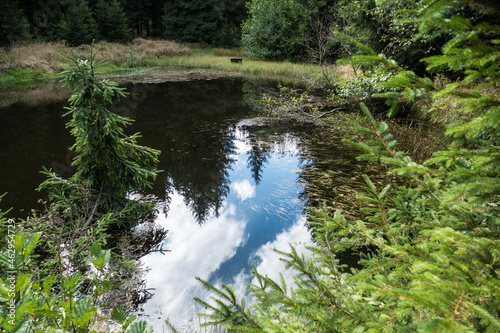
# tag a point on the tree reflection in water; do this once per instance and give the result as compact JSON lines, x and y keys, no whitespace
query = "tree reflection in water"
{"x":231,"y":188}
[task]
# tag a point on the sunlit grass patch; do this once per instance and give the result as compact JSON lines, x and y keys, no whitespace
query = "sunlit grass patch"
{"x":307,"y":72}
{"x":19,"y":78}
{"x":228,"y":52}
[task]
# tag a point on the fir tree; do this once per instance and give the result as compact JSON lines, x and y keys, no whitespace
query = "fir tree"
{"x":79,"y":26}
{"x":13,"y":24}
{"x":112,"y":22}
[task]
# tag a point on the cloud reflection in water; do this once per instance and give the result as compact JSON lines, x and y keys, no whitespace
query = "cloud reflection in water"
{"x":254,"y":219}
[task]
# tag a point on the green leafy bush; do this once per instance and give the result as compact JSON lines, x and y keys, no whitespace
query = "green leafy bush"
{"x":56,"y":303}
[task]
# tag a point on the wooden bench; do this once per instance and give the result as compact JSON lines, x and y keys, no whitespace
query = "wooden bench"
{"x":237,"y":60}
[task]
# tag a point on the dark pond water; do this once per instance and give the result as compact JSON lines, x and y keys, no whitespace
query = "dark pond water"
{"x":232,"y":189}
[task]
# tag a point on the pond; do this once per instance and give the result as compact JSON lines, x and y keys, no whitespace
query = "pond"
{"x":232,"y":189}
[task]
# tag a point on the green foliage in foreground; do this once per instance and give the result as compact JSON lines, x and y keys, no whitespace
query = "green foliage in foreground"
{"x":57,"y":303}
{"x":109,"y":164}
{"x":433,"y":262}
{"x":54,"y":274}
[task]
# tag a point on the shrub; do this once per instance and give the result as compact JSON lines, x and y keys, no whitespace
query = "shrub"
{"x":55,"y":302}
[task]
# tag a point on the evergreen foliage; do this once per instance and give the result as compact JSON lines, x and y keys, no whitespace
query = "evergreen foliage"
{"x":434,"y":260}
{"x":112,"y":22}
{"x":233,"y":14}
{"x":109,"y":164}
{"x":194,"y":21}
{"x":357,"y":19}
{"x":79,"y":26}
{"x":13,"y":24}
{"x":138,"y":12}
{"x":270,"y":30}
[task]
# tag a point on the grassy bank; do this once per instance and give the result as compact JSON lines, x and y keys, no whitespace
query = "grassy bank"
{"x":20,"y":78}
{"x":26,"y":65}
{"x":218,"y":59}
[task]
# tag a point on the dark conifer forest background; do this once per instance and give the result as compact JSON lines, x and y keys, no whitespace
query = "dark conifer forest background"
{"x":295,"y":30}
{"x":78,"y":22}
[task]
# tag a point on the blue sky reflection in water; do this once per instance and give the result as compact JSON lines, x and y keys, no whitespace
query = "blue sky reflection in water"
{"x":215,"y":156}
{"x":255,"y":218}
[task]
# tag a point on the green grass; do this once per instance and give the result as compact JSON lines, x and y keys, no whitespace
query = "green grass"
{"x":199,"y":58}
{"x":20,"y":79}
{"x":206,"y":59}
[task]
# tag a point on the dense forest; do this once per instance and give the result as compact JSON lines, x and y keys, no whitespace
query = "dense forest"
{"x":429,"y":243}
{"x":297,"y":30}
{"x":79,"y":22}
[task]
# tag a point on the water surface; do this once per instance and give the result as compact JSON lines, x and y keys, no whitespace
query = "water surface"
{"x":256,"y":215}
{"x":232,"y":188}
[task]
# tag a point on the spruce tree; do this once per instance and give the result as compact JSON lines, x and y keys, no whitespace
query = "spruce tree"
{"x":79,"y":26}
{"x":112,"y":22}
{"x":13,"y":24}
{"x":109,"y":164}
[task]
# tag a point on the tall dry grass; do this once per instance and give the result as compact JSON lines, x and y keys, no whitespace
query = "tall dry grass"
{"x":40,"y":56}
{"x":346,"y":72}
{"x":159,"y":48}
{"x":447,"y":109}
{"x":418,"y":138}
{"x":46,"y":56}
